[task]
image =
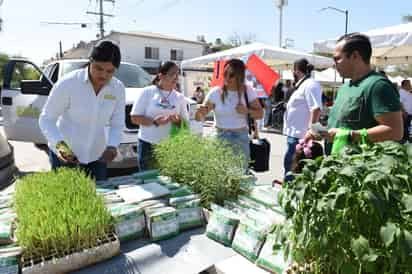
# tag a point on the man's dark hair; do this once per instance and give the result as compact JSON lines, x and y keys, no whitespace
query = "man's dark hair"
{"x":357,"y":42}
{"x":106,"y":51}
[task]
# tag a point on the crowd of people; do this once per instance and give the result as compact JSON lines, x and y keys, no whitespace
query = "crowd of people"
{"x":369,"y":101}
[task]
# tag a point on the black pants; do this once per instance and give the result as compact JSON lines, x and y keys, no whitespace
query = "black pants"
{"x":406,"y":125}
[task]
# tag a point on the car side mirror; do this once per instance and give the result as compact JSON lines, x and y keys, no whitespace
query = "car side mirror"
{"x":35,"y":87}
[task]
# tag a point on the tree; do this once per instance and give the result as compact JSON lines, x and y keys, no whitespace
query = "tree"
{"x":234,"y":40}
{"x":4,"y":58}
{"x":407,"y":18}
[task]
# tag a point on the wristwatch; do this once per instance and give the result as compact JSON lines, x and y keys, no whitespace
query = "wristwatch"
{"x":155,"y":123}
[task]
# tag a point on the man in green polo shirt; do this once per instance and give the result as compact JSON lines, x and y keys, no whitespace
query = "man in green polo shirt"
{"x":369,"y":101}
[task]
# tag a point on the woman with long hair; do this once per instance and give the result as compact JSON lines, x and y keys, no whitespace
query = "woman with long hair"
{"x":156,"y":108}
{"x":230,"y":108}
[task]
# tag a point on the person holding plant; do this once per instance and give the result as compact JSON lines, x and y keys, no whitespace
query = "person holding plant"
{"x":230,"y":108}
{"x":302,"y":110}
{"x":155,"y":109}
{"x":368,"y":104}
{"x":78,"y":109}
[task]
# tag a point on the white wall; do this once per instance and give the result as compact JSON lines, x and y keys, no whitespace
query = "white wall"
{"x":133,"y":49}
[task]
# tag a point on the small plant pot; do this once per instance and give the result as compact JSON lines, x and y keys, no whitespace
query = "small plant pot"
{"x":71,"y":261}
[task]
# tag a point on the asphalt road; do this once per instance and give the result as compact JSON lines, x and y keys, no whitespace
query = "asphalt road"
{"x":31,"y":159}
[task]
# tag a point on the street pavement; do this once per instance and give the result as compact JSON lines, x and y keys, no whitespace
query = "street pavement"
{"x":29,"y":158}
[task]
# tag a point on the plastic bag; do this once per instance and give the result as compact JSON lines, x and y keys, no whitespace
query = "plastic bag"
{"x":175,"y":130}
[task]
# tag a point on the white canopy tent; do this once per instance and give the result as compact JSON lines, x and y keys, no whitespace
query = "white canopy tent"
{"x":391,"y":45}
{"x":273,"y":56}
{"x":328,"y":76}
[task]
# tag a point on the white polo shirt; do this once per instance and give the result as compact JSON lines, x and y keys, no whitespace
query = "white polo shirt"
{"x":406,"y":100}
{"x":152,"y":102}
{"x":74,"y":114}
{"x":305,"y":99}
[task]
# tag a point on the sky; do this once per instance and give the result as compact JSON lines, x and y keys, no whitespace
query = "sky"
{"x":25,"y":32}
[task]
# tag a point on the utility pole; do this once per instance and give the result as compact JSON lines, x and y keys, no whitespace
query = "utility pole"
{"x":280,"y":4}
{"x":1,"y":19}
{"x":101,"y":15}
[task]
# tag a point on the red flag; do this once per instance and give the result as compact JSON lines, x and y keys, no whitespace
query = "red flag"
{"x":263,"y":73}
{"x":218,"y":74}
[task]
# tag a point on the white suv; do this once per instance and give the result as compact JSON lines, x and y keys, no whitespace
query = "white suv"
{"x":25,"y":91}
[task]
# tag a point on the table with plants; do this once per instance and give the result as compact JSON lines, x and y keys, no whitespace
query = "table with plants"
{"x":349,"y":213}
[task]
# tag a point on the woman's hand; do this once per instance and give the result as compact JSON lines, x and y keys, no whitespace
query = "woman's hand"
{"x":175,"y":119}
{"x":201,"y":112}
{"x":242,"y":109}
{"x":109,"y":154}
{"x":162,"y":119}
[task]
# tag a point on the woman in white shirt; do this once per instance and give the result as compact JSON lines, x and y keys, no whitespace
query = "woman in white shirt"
{"x":302,"y":110}
{"x":79,"y":107}
{"x":230,"y":109}
{"x":155,"y":109}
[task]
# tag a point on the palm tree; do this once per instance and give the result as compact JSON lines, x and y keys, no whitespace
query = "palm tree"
{"x":407,"y":18}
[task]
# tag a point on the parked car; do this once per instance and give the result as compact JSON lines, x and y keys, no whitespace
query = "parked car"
{"x":7,"y":166}
{"x":25,"y":91}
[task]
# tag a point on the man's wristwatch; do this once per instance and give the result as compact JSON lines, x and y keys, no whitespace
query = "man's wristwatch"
{"x":155,"y":123}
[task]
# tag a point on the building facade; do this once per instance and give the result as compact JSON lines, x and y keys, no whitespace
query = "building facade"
{"x":145,"y":49}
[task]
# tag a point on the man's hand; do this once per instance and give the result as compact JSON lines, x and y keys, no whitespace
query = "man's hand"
{"x":109,"y":154}
{"x":331,"y":134}
{"x":242,"y":109}
{"x":65,"y":154}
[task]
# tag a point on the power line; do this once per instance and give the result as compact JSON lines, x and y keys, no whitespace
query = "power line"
{"x":81,"y":24}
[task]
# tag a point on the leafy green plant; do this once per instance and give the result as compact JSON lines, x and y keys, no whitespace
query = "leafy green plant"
{"x":59,"y":211}
{"x":352,"y":213}
{"x":207,"y":165}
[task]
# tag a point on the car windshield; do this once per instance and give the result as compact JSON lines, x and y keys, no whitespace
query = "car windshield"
{"x":132,"y":76}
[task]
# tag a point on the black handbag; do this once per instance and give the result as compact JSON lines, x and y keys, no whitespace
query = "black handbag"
{"x":259,"y":147}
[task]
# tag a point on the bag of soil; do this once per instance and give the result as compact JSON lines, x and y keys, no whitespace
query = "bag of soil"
{"x":248,"y":239}
{"x":189,"y":213}
{"x":222,"y":225}
{"x":129,"y":221}
{"x":162,"y":223}
{"x":271,"y":260}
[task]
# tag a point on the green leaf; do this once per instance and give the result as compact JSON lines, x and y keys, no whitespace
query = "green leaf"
{"x":360,"y":246}
{"x":407,"y":202}
{"x":349,"y":268}
{"x":387,"y":233}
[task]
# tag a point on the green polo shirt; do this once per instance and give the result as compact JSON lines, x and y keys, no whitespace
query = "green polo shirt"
{"x":359,"y":102}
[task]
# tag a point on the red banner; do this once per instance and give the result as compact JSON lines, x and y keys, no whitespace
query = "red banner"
{"x":263,"y":73}
{"x":218,"y":74}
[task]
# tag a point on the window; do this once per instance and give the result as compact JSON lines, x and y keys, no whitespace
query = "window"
{"x":176,"y":54}
{"x":151,"y":53}
{"x":23,"y":71}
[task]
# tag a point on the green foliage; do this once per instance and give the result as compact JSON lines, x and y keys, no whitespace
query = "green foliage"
{"x":352,"y":213}
{"x":59,"y":211}
{"x":206,"y":165}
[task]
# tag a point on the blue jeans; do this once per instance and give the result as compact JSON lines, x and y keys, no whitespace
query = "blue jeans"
{"x":290,"y":153}
{"x":239,"y":141}
{"x":96,"y":169}
{"x":145,"y":157}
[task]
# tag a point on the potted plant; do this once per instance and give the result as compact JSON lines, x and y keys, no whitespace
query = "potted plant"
{"x":62,"y":224}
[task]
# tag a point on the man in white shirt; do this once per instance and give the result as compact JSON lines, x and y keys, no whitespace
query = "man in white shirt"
{"x":405,"y":97}
{"x":302,"y":110}
{"x":79,"y":107}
